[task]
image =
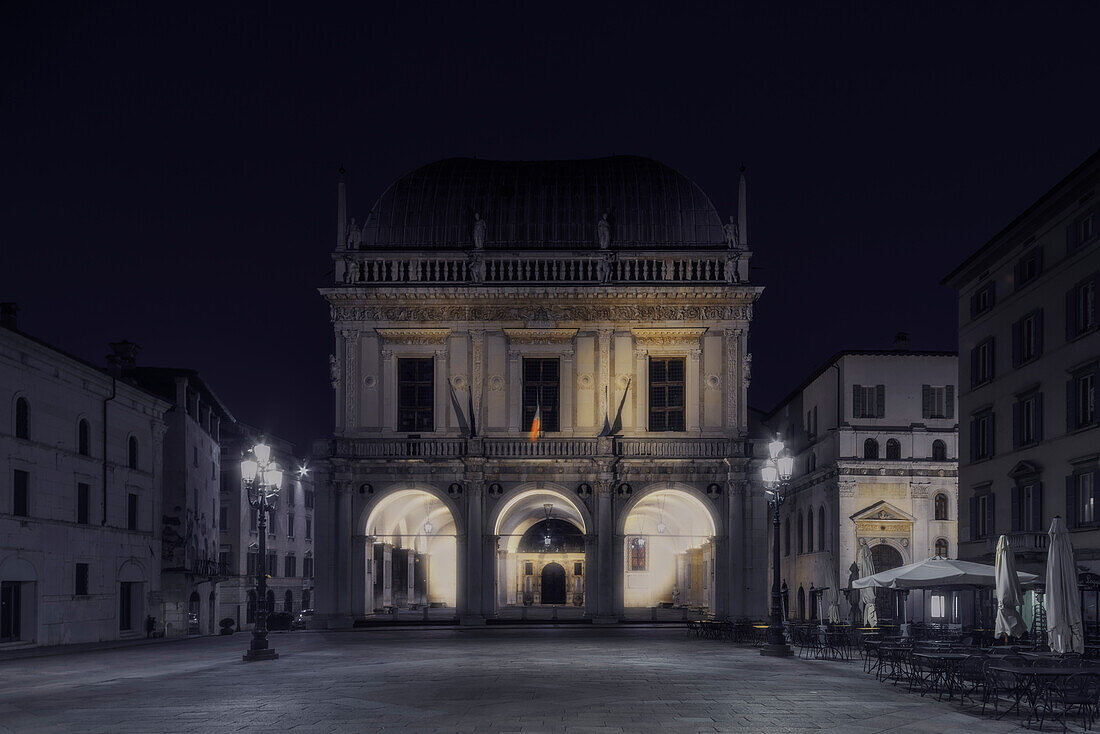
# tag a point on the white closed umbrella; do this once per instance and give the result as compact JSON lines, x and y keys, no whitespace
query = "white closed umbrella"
{"x":832,"y":598}
{"x":1063,"y":602}
{"x":1009,"y":594}
{"x":867,"y":595}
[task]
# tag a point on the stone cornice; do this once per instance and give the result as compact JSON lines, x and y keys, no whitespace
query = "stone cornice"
{"x":645,"y":336}
{"x":540,"y":336}
{"x":414,"y":336}
{"x":548,"y":312}
{"x":719,"y":293}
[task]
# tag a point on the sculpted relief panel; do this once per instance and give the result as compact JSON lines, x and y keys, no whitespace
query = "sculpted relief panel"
{"x":557,"y":313}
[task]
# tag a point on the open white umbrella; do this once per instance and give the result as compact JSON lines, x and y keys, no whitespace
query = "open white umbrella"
{"x":1009,"y":594}
{"x":1063,"y":601}
{"x":832,"y":595}
{"x":936,"y":573}
{"x":867,"y":595}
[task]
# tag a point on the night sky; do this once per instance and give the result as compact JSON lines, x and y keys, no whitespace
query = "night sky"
{"x":169,"y":171}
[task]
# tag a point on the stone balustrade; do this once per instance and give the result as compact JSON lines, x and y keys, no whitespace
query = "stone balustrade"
{"x":479,"y":267}
{"x":675,"y":448}
{"x":516,"y":447}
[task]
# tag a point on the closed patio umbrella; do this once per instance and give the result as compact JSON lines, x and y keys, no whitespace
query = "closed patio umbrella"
{"x":832,"y":595}
{"x":1063,"y":602}
{"x":1009,"y":594}
{"x":867,"y":595}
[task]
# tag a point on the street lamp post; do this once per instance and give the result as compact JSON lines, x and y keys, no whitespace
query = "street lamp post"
{"x":776,"y":473}
{"x":262,"y":478}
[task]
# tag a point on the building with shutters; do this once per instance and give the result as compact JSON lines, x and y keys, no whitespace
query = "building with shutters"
{"x":1029,"y":344}
{"x":80,"y":501}
{"x":875,"y":440}
{"x":609,"y":298}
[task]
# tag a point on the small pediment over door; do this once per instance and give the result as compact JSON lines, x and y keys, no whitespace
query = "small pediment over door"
{"x":882,"y":510}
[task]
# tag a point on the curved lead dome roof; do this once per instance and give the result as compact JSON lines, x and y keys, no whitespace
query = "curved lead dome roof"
{"x":554,"y":204}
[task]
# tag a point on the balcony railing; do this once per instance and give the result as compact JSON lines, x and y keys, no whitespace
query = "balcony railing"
{"x":674,"y":448}
{"x":402,"y":448}
{"x":210,"y":568}
{"x":543,"y":448}
{"x":503,"y":268}
{"x":550,"y":447}
{"x":1032,"y":542}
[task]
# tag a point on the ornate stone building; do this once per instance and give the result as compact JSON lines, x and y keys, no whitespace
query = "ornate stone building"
{"x":608,"y":298}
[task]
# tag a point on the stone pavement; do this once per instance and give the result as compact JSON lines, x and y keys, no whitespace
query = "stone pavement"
{"x":568,"y":679}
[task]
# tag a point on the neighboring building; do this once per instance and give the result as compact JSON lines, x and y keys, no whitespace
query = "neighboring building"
{"x":291,"y":530}
{"x":1030,"y":349}
{"x":80,"y":497}
{"x":501,"y":290}
{"x":875,"y":437}
{"x":190,"y":571}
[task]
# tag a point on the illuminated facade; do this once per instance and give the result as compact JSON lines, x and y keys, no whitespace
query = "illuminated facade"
{"x":608,"y":297}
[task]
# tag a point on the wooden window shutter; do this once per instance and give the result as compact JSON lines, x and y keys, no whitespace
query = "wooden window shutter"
{"x":973,"y":439}
{"x":1071,"y":405}
{"x":1071,"y":501}
{"x":926,"y":401}
{"x":992,"y":436}
{"x":1015,"y":508}
{"x":1071,"y":313}
{"x":975,"y":378}
{"x":950,"y":400}
{"x":990,"y":515}
{"x":1017,"y":424}
{"x":1038,"y":332}
{"x":880,"y":401}
{"x":1037,"y":506}
{"x":1037,"y":429}
{"x":1017,"y":342}
{"x":973,"y":305}
{"x":973,"y":518}
{"x":857,"y":401}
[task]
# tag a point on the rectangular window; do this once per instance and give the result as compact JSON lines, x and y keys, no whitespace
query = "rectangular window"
{"x":224,"y":556}
{"x":981,"y":436}
{"x":290,"y":495}
{"x":938,"y":401}
{"x":253,"y":519}
{"x":309,"y":499}
{"x":1027,"y":420}
{"x":81,"y":579}
{"x":637,"y":555}
{"x":252,"y":557}
{"x":578,"y":567}
{"x":528,"y":568}
{"x":223,"y":484}
{"x":939,"y":606}
{"x":307,"y":567}
{"x":1031,"y":508}
{"x":272,"y":566}
{"x":982,"y":300}
{"x":981,"y":517}
{"x":20,"y":493}
{"x":868,"y":401}
{"x":223,"y":518}
{"x":1086,"y":499}
{"x":290,"y":567}
{"x":1028,"y":267}
{"x":290,"y":526}
{"x":271,"y":518}
{"x":1081,"y":307}
{"x":416,"y":394}
{"x":541,"y":392}
{"x":1081,"y":400}
{"x":131,"y":511}
{"x":82,"y":499}
{"x":1027,"y":338}
{"x":309,"y":528}
{"x":981,"y":363}
{"x":666,"y":394}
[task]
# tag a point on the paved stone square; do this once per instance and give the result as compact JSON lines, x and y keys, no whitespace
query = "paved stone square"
{"x":567,"y":679}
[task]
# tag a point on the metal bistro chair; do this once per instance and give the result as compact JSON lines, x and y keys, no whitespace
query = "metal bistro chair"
{"x":1059,"y":697}
{"x":1001,"y":685}
{"x":970,"y":675}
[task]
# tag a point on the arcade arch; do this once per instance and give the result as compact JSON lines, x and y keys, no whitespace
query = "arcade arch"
{"x":669,"y":551}
{"x":412,"y":552}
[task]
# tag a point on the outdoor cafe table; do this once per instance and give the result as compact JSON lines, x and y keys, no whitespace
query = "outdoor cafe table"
{"x":947,"y":670}
{"x":1032,"y":680}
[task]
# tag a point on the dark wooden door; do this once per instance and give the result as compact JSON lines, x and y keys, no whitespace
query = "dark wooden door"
{"x":553,"y":584}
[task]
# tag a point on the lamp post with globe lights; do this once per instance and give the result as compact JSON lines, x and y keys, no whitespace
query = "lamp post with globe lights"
{"x":262,"y":478}
{"x":776,"y":474}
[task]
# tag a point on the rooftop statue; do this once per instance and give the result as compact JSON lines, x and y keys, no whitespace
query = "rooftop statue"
{"x":731,"y":232}
{"x":603,"y":232}
{"x":355,"y":236}
{"x":479,"y":231}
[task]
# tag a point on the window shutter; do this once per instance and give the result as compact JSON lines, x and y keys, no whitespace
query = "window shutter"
{"x":973,"y":518}
{"x":1071,"y":501}
{"x":1017,"y":273}
{"x":926,"y":401}
{"x":1071,"y":314}
{"x":992,"y":436}
{"x":1017,"y":343}
{"x":1071,"y":405}
{"x":1015,"y":508}
{"x":1038,"y":412}
{"x":1039,"y":332}
{"x":992,"y":359}
{"x":880,"y":401}
{"x":857,"y":401}
{"x":974,"y":378}
{"x":1070,"y":231}
{"x":973,"y":305}
{"x":1017,"y":424}
{"x":1037,"y":506}
{"x":990,"y":515}
{"x":950,"y":400}
{"x":973,"y":440}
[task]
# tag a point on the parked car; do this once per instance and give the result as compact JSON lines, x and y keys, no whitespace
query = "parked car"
{"x":303,"y":619}
{"x":277,"y":621}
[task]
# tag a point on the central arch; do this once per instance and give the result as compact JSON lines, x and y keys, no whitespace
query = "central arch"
{"x":669,"y":551}
{"x":537,"y":529}
{"x":412,"y":553}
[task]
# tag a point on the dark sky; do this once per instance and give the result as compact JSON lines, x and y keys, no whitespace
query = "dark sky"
{"x":169,"y":170}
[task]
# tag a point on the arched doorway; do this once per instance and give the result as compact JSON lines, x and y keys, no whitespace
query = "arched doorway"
{"x":553,"y":583}
{"x":288,"y":601}
{"x":17,"y":600}
{"x":886,"y":557}
{"x":669,"y":552}
{"x":540,"y":558}
{"x":412,"y":554}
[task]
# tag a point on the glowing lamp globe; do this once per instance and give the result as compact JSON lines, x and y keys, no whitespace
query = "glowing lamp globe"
{"x":262,"y":452}
{"x":273,"y":477}
{"x":786,"y":467}
{"x":769,"y":472}
{"x":249,"y":467}
{"x":774,"y":447}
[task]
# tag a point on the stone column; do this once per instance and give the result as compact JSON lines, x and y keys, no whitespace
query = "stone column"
{"x":515,"y":391}
{"x":605,"y":521}
{"x":566,"y":396}
{"x":388,"y":391}
{"x":692,"y":390}
{"x":442,"y":390}
{"x":471,"y":613}
{"x":591,"y":575}
{"x":489,"y":567}
{"x":362,"y":549}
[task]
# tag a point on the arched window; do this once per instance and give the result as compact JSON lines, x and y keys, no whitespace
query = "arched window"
{"x":288,"y":601}
{"x":132,"y":452}
{"x":821,"y":544}
{"x":22,"y":419}
{"x":893,"y":450}
{"x":637,"y":555}
{"x":801,"y":535}
{"x":787,"y":536}
{"x":801,"y":603}
{"x":870,"y":449}
{"x":941,"y":547}
{"x":250,"y":614}
{"x":941,"y":506}
{"x":810,"y":531}
{"x":83,"y":439}
{"x":939,"y":450}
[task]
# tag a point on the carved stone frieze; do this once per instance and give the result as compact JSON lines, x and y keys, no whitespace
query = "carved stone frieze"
{"x":733,"y":337}
{"x":604,"y":336}
{"x":496,"y":383}
{"x":650,"y":337}
{"x":351,"y":377}
{"x":540,"y":336}
{"x":477,"y":342}
{"x":559,"y":312}
{"x":414,"y":336}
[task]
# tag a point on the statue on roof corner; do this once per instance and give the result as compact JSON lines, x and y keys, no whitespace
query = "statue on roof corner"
{"x":603,"y":232}
{"x":479,"y":231}
{"x":355,"y":236}
{"x":731,"y":233}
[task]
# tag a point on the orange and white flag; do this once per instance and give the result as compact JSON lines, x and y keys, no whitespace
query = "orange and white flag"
{"x":536,"y":423}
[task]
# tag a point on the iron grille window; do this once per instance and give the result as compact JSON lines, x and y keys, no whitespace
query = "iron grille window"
{"x":540,"y":390}
{"x":415,"y":394}
{"x":666,"y":394}
{"x":637,"y":555}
